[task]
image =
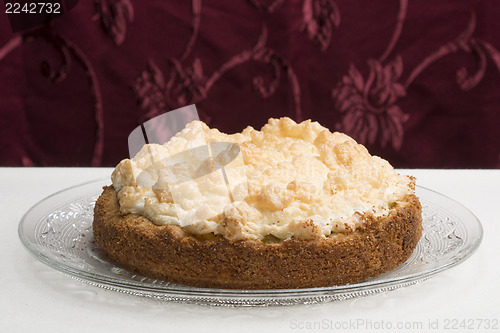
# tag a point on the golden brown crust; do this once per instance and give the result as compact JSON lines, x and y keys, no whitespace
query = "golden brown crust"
{"x":169,"y":253}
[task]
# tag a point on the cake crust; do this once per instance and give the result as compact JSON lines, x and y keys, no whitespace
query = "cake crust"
{"x":170,"y":253}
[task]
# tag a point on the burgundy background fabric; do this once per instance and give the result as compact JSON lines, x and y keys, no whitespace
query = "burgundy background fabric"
{"x":417,"y":82}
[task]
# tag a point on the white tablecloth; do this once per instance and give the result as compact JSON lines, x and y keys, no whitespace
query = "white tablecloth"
{"x":36,"y":298}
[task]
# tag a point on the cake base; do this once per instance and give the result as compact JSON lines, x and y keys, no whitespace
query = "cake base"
{"x":169,"y":253}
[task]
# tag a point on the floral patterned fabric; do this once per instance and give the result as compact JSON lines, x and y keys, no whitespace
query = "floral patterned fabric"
{"x":417,"y":82}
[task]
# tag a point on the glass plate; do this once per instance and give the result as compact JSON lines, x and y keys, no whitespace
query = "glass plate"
{"x":58,"y":232}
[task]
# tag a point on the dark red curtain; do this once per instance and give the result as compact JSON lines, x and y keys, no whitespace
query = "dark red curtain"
{"x":417,"y":82}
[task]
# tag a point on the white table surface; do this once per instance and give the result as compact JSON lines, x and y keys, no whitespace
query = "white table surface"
{"x":36,"y":298}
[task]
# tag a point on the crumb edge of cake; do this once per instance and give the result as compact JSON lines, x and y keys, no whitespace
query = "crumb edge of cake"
{"x":169,"y":253}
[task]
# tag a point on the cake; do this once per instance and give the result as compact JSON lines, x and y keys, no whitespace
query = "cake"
{"x":290,"y":206}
